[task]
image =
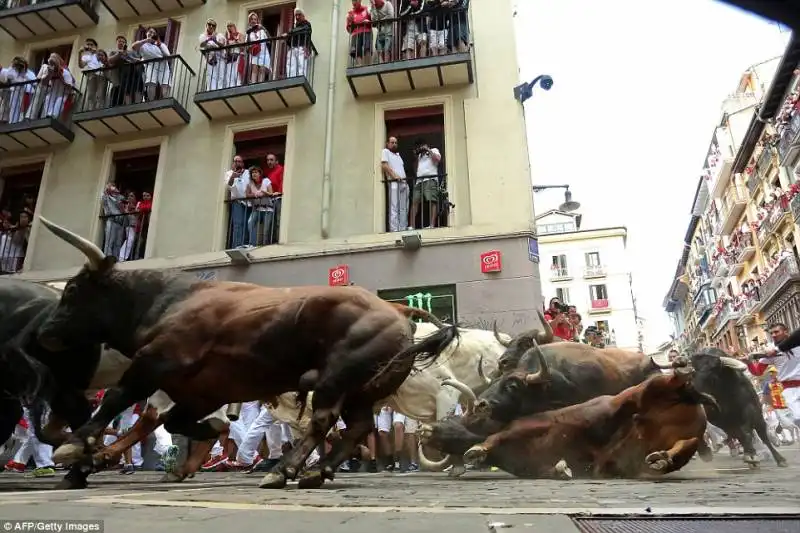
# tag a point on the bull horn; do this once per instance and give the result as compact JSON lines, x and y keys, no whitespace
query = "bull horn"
{"x":87,"y":247}
{"x":433,"y":466}
{"x":730,"y":362}
{"x":667,"y":366}
{"x":546,"y":335}
{"x":544,"y":371}
{"x":497,"y":335}
{"x":233,"y":411}
{"x":480,"y":372}
{"x":462,"y":387}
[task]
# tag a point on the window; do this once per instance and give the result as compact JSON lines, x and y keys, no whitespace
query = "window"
{"x":423,"y":202}
{"x":168,"y":33}
{"x":258,"y":224}
{"x":593,"y":259}
{"x":127,"y":202}
{"x":438,"y":300}
{"x":562,"y":293}
{"x":598,"y":292}
{"x":39,"y":56}
{"x":559,"y":266}
{"x":20,"y":189}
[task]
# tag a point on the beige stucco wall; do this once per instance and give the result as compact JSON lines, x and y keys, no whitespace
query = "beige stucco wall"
{"x":485,"y":137}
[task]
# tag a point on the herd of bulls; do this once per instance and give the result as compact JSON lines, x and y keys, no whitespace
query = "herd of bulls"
{"x":196,"y":349}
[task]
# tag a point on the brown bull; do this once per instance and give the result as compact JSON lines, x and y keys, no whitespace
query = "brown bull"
{"x":651,"y":428}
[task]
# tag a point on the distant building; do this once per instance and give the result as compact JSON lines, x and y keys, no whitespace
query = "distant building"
{"x":589,"y":268}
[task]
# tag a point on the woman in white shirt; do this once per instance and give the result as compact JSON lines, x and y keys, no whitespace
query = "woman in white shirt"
{"x":156,"y":73}
{"x":260,"y":60}
{"x":96,"y":83}
{"x":210,"y":44}
{"x":234,"y":56}
{"x":260,"y":223}
{"x":56,"y":84}
{"x":12,"y":98}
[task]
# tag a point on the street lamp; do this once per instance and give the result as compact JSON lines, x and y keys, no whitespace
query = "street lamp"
{"x":525,"y":90}
{"x":569,"y":205}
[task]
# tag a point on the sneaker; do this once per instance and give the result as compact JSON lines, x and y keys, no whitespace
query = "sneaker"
{"x":213,"y":463}
{"x":412,"y":467}
{"x":170,"y":459}
{"x":127,"y":470}
{"x":45,"y":471}
{"x":13,"y":466}
{"x":160,"y":467}
{"x":233,"y":466}
{"x":344,"y":467}
{"x":264,"y":465}
{"x":396,"y":467}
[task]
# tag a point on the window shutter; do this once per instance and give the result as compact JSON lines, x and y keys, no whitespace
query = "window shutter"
{"x":171,"y":36}
{"x":141,"y":33}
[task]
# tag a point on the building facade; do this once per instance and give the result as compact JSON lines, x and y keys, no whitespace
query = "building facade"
{"x":589,"y":268}
{"x":166,"y":130}
{"x":738,"y":270}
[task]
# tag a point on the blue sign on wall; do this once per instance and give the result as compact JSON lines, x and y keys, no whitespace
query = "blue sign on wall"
{"x":533,"y":250}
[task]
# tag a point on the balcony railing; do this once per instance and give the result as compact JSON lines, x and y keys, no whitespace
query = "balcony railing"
{"x":254,"y":221}
{"x":774,"y":218}
{"x":763,"y":162}
{"x":733,"y":205}
{"x":594,"y":271}
{"x":412,"y":52}
{"x":746,"y":306}
{"x":727,"y":314}
{"x":266,"y":75}
{"x":790,"y":138}
{"x":753,"y":181}
{"x":23,"y":19}
{"x":141,"y":95}
{"x":13,"y":244}
{"x":418,"y":203}
{"x":600,"y":304}
{"x":787,"y":270}
{"x":124,"y":235}
{"x":559,"y":273}
{"x":36,"y":114}
{"x":719,"y":268}
{"x":794,"y":206}
{"x":744,"y":248}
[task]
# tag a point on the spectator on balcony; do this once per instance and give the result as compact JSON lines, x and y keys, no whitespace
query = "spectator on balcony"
{"x":237,"y":180}
{"x":459,"y":26}
{"x":113,"y":209}
{"x":234,"y":56}
{"x":426,"y":184}
{"x":260,"y":223}
{"x":129,"y":222}
{"x":13,"y":243}
{"x":260,"y":60}
{"x":14,"y":100}
{"x":210,"y":44}
{"x":359,"y":26}
{"x":275,"y":177}
{"x":298,"y":39}
{"x":126,"y":74}
{"x":96,"y":83}
{"x":381,"y":10}
{"x":157,"y":73}
{"x":394,"y":175}
{"x":55,"y":88}
{"x":143,"y":209}
{"x":414,"y":29}
{"x":437,"y":25}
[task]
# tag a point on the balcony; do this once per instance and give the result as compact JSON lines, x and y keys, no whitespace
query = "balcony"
{"x":594,"y":271}
{"x":742,"y":252}
{"x":23,"y":19}
{"x":253,"y":221}
{"x":763,"y":163}
{"x":35,"y":115}
{"x":228,"y":86}
{"x":777,"y":215}
{"x":116,"y":101}
{"x":420,"y":66}
{"x":726,"y":314}
{"x":600,"y":306}
{"x":733,"y":205}
{"x":720,"y":270}
{"x":786,"y":271}
{"x":753,"y":181}
{"x":120,"y":9}
{"x":794,"y":206}
{"x":434,"y":210}
{"x":560,"y":274}
{"x":124,"y":233}
{"x":13,"y":243}
{"x":747,"y":306}
{"x":789,"y":146}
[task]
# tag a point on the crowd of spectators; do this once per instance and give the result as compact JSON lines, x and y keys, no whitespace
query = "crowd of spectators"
{"x":567,"y":325}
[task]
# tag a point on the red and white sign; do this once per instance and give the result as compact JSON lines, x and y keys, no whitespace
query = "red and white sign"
{"x":491,"y":261}
{"x":600,"y":304}
{"x":339,"y":275}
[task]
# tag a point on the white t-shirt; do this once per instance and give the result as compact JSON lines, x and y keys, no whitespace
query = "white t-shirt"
{"x":239,"y":187}
{"x":395,"y":162}
{"x":788,"y":366}
{"x":426,"y":166}
{"x":91,"y":61}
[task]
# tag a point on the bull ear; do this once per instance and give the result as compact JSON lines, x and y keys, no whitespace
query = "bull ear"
{"x":107,"y":263}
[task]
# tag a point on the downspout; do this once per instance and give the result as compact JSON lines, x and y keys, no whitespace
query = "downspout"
{"x":326,"y":168}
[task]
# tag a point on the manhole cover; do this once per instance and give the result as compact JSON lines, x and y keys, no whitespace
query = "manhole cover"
{"x":689,"y":525}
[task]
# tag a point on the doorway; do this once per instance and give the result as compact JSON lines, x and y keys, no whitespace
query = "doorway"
{"x":20,"y":190}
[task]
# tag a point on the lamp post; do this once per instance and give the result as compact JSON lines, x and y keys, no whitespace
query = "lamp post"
{"x":569,"y":205}
{"x":525,"y":90}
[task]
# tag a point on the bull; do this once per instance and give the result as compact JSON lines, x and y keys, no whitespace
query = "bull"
{"x":206,"y":344}
{"x":740,"y":413}
{"x":654,"y":427}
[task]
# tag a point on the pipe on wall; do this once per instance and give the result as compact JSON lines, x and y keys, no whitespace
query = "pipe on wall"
{"x":326,"y":168}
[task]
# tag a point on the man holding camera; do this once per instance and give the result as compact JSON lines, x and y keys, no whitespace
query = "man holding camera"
{"x":426,"y":184}
{"x":558,"y":318}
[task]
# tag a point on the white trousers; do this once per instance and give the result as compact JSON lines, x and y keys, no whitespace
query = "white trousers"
{"x":296,"y":62}
{"x":163,"y":440}
{"x":398,"y":206}
{"x":792,"y":397}
{"x":127,"y":422}
{"x":42,"y":453}
{"x":238,"y":429}
{"x":263,"y":425}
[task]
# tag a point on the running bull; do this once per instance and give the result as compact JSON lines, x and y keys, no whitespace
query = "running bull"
{"x":654,"y":427}
{"x":206,"y":344}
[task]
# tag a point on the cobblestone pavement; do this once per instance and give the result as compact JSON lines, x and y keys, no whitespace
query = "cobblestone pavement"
{"x":402,"y":502}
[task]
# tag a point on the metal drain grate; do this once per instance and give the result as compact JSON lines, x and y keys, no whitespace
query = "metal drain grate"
{"x":688,"y":525}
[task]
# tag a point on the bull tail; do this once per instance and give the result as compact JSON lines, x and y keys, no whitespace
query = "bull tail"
{"x":413,"y":312}
{"x":426,"y":351}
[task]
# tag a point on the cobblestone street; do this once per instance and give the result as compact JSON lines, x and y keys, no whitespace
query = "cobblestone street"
{"x":401,"y":502}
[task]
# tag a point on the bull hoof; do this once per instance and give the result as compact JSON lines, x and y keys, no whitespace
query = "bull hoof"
{"x":782,"y":463}
{"x":68,"y":454}
{"x":311,"y":480}
{"x":563,"y":471}
{"x":425,"y":432}
{"x":476,"y":454}
{"x":328,"y":473}
{"x":706,"y":455}
{"x":751,"y":460}
{"x":457,"y":471}
{"x":172,"y":477}
{"x":273,"y":480}
{"x":659,"y":462}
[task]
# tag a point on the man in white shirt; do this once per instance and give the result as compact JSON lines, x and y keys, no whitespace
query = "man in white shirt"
{"x":785,"y":357}
{"x":394,"y":174}
{"x":426,"y":184}
{"x":95,"y":81}
{"x":236,"y":181}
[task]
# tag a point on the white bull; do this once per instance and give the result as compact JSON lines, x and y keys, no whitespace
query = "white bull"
{"x":422,"y":396}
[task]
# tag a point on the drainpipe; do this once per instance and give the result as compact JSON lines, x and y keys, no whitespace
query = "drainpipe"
{"x":326,"y":168}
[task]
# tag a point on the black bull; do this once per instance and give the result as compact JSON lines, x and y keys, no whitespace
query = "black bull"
{"x":206,"y":344}
{"x":31,"y":373}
